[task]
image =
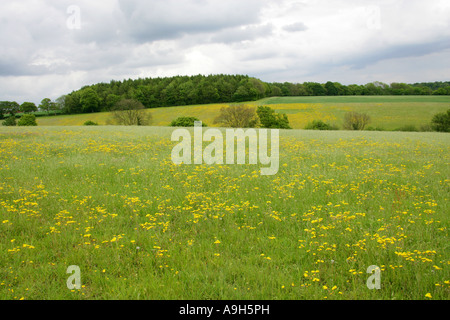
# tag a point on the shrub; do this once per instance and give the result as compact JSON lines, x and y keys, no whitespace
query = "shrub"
{"x":426,"y":128}
{"x":441,"y":122}
{"x":355,"y":121}
{"x":10,"y":121}
{"x":130,"y":112}
{"x":27,"y":120}
{"x":238,"y":116}
{"x":90,"y":123}
{"x":270,"y":119}
{"x":407,"y":128}
{"x":41,"y":113}
{"x":185,"y":122}
{"x":375,"y":129}
{"x":320,"y":125}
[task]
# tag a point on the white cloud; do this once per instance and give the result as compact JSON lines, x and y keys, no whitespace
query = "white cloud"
{"x":288,"y":40}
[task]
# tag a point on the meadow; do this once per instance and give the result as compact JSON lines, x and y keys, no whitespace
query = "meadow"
{"x":387,"y":112}
{"x":109,"y":200}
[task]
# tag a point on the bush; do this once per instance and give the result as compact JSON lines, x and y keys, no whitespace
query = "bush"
{"x":10,"y":121}
{"x":131,"y":112}
{"x":41,"y":113}
{"x":426,"y":128}
{"x":441,"y":122}
{"x":238,"y":116}
{"x":90,"y":123}
{"x":185,"y":122}
{"x":375,"y":129}
{"x":27,"y":120}
{"x":271,"y":120}
{"x":320,"y":125}
{"x":407,"y":128}
{"x":356,"y":121}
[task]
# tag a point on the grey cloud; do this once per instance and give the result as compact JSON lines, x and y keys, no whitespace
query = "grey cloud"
{"x":169,"y":19}
{"x":239,"y":34}
{"x":295,"y":27}
{"x":28,"y":29}
{"x":12,"y":68}
{"x":368,"y":59}
{"x":147,"y":57}
{"x":398,"y":51}
{"x":257,"y":54}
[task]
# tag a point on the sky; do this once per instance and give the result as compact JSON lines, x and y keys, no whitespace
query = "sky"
{"x":50,"y":48}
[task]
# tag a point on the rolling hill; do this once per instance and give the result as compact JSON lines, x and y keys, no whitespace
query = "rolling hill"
{"x":387,"y":112}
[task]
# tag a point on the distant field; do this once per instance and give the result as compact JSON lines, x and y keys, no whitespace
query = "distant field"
{"x":357,"y":99}
{"x":388,"y":112}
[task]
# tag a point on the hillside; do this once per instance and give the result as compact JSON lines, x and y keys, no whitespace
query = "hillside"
{"x":388,"y":112}
{"x":201,"y":89}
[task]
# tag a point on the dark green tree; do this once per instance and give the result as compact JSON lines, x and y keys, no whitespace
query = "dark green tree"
{"x":442,"y":91}
{"x":46,"y":105}
{"x":241,"y":94}
{"x":331,"y":89}
{"x":269,"y":119}
{"x":320,"y":125}
{"x":187,"y":93}
{"x":28,"y":107}
{"x":441,"y":122}
{"x":354,"y":90}
{"x":400,"y":89}
{"x":112,"y":100}
{"x":207,"y":93}
{"x":72,"y":103}
{"x":90,"y":123}
{"x":185,"y":122}
{"x":316,"y":89}
{"x":60,"y":104}
{"x":275,"y":91}
{"x":8,"y":108}
{"x":256,"y":88}
{"x":10,"y":121}
{"x":89,"y":100}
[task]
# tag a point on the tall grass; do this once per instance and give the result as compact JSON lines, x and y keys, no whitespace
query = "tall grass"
{"x":109,"y":200}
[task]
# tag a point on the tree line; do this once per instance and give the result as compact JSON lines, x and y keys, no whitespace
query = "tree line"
{"x":201,"y":89}
{"x":46,"y":107}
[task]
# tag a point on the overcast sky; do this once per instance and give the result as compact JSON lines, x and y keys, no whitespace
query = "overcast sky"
{"x":49,"y":48}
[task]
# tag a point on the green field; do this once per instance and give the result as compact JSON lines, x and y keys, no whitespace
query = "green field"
{"x":358,"y":99}
{"x":387,"y":112}
{"x":109,"y":200}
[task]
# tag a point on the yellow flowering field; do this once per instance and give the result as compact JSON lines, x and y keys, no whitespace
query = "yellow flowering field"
{"x":110,"y":201}
{"x":387,"y":112}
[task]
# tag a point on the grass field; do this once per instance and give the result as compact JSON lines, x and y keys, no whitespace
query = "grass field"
{"x":387,"y":112}
{"x":109,"y":200}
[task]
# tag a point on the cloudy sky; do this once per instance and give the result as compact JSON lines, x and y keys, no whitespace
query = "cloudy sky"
{"x":52,"y":47}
